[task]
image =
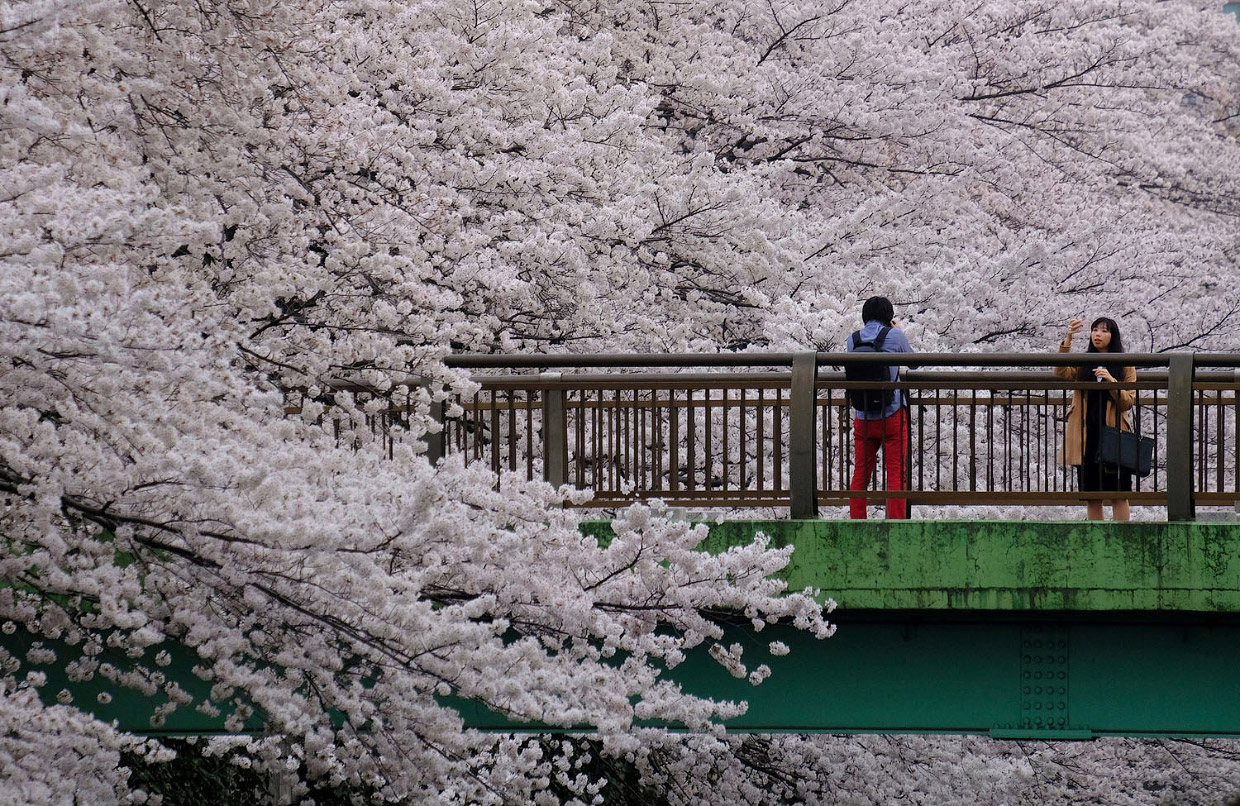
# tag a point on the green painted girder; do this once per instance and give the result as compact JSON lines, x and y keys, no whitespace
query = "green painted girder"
{"x":1054,"y":677}
{"x":1006,"y":565}
{"x":1059,"y":676}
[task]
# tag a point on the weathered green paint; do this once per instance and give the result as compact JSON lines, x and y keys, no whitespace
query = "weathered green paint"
{"x":1005,"y":565}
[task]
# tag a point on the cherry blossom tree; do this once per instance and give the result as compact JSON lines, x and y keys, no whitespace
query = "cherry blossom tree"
{"x":994,"y":167}
{"x":209,"y":211}
{"x":863,"y":770}
{"x":182,"y":246}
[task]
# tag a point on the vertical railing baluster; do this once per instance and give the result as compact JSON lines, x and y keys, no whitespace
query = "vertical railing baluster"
{"x":495,"y":437}
{"x":955,"y":439}
{"x":622,"y":440}
{"x":777,"y":438}
{"x":657,"y":439}
{"x":938,"y":439}
{"x":1135,"y":413}
{"x":478,"y":430}
{"x":512,"y":431}
{"x":598,"y":460}
{"x":990,"y":441}
{"x":844,"y":413}
{"x":690,"y":441}
{"x":580,"y":432}
{"x":596,"y":450}
{"x":1026,"y":439}
{"x":1202,"y":425}
{"x":631,"y":445}
{"x":624,"y":428}
{"x":921,"y":441}
{"x":673,"y":416}
{"x":760,"y":436}
{"x":743,"y":442}
{"x":724,"y":428}
{"x":628,"y":470}
{"x":529,"y":434}
{"x":639,"y":441}
{"x":973,"y":440}
{"x":822,"y":413}
{"x":613,"y":439}
{"x":1050,"y":426}
{"x":708,"y":443}
{"x":1005,"y":465}
{"x":1219,"y":437}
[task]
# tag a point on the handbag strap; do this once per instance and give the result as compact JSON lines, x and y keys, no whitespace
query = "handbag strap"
{"x":1113,"y":399}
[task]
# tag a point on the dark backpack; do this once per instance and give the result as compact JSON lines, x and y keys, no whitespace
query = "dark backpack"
{"x":869,"y":401}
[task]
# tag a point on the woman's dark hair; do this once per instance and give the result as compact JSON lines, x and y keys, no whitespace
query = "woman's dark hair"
{"x":878,"y":308}
{"x":1116,"y":345}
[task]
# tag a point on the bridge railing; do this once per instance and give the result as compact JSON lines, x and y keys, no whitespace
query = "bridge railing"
{"x":775,"y":430}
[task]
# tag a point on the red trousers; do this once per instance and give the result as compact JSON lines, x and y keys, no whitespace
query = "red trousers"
{"x":891,"y":434}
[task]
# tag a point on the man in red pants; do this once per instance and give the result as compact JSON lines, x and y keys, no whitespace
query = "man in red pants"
{"x":881,"y":415}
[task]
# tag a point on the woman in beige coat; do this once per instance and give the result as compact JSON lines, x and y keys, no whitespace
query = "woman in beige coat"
{"x":1091,"y":408}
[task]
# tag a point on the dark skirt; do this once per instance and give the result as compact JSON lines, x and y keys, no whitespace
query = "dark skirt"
{"x":1092,"y":477}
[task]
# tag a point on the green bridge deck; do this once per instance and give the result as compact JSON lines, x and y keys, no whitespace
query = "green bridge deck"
{"x":1011,"y":629}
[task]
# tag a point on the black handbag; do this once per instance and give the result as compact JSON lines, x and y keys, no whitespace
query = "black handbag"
{"x":1126,"y":450}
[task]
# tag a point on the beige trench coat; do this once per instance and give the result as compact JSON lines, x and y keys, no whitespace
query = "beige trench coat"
{"x":1074,"y":433}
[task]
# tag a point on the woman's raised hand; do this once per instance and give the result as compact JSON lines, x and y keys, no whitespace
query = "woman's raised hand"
{"x":1074,"y":327}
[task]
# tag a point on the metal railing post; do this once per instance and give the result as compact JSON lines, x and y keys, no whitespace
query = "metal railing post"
{"x":802,"y":438}
{"x":1180,"y":505}
{"x":554,"y":436}
{"x":435,"y":440}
